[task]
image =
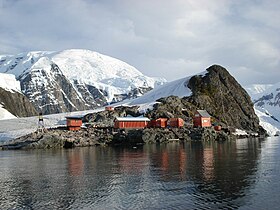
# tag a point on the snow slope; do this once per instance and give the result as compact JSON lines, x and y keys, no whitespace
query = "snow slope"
{"x":9,"y":82}
{"x":175,"y":88}
{"x":4,"y":114}
{"x":267,"y":122}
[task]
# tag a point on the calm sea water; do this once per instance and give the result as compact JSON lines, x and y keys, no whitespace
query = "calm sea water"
{"x":242,"y":174}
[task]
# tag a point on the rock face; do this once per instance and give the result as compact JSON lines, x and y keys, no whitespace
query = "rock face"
{"x":51,"y":92}
{"x":218,"y":93}
{"x":16,"y":103}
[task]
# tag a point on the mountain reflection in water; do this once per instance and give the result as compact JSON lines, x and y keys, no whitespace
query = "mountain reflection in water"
{"x":240,"y":174}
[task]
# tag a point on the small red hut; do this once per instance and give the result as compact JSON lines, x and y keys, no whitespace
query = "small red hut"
{"x":201,"y":119}
{"x":131,"y":122}
{"x":175,"y":122}
{"x":74,"y":123}
{"x":158,"y":123}
{"x":161,"y":122}
{"x":109,"y":108}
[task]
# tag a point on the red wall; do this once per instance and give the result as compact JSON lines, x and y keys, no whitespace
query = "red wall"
{"x":176,"y":122}
{"x":201,"y":122}
{"x":74,"y":128}
{"x":131,"y":124}
{"x":74,"y":122}
{"x":161,"y":122}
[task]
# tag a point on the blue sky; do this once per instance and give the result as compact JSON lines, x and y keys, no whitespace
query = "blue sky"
{"x":170,"y":39}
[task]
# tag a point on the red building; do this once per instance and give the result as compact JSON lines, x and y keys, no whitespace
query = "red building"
{"x":175,"y":122}
{"x":109,"y":108}
{"x":158,"y":123}
{"x":74,"y":123}
{"x":201,"y":119}
{"x":131,"y":122}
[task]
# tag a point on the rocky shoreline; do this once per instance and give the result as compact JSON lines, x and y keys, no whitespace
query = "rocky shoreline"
{"x":91,"y":136}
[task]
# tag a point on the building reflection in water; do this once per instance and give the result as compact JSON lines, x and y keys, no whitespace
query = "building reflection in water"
{"x":75,"y":162}
{"x":208,"y":164}
{"x":220,"y":171}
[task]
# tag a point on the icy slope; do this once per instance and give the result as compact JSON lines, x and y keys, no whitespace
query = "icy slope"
{"x":268,"y":122}
{"x":9,"y":82}
{"x":4,"y":114}
{"x":176,"y":88}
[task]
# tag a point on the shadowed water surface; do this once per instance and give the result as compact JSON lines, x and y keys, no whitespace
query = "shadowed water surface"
{"x":242,"y":174}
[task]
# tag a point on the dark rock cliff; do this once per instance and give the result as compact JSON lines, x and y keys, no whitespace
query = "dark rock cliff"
{"x":16,"y":103}
{"x":218,"y":93}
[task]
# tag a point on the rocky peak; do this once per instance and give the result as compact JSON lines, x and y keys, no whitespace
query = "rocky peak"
{"x":224,"y":98}
{"x":218,"y":93}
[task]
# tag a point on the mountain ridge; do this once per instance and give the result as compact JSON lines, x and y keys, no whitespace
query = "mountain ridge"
{"x":89,"y":79}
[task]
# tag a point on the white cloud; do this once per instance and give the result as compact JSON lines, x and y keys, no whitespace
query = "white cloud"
{"x":159,"y":37}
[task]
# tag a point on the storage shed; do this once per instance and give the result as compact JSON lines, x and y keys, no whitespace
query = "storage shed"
{"x":74,"y":123}
{"x":175,"y":122}
{"x":158,"y":123}
{"x":202,"y":119}
{"x":131,"y":122}
{"x":109,"y":108}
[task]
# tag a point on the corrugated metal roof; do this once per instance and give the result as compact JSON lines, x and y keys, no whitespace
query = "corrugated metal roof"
{"x":138,"y":119}
{"x":203,"y":113}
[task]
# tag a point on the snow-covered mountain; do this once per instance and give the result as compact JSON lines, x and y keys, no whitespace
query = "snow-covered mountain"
{"x":266,"y":99}
{"x":75,"y":79}
{"x":256,"y":90}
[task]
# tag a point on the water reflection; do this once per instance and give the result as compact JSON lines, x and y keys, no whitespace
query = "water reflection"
{"x":190,"y":175}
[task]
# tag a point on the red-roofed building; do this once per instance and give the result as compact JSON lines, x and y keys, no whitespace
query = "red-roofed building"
{"x":202,"y":119}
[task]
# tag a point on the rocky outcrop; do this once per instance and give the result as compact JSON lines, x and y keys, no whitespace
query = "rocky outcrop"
{"x":106,"y":118}
{"x":218,"y":93}
{"x":91,"y":136}
{"x":160,"y":135}
{"x":16,"y":103}
{"x":224,"y":98}
{"x":61,"y":138}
